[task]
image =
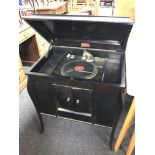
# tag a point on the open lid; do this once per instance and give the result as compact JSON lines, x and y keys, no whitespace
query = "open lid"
{"x":96,"y":29}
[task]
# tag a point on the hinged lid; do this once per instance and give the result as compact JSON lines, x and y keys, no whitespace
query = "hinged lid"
{"x":97,"y":30}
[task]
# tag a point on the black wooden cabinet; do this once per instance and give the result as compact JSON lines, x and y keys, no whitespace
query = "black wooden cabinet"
{"x":97,"y":100}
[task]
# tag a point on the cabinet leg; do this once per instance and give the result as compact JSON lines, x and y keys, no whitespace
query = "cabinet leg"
{"x":112,"y":137}
{"x":34,"y":100}
{"x":41,"y":123}
{"x":119,"y":110}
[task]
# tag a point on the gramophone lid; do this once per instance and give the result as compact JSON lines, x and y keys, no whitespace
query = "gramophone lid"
{"x":111,"y":30}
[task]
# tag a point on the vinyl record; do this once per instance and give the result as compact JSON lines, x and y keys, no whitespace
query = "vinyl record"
{"x":79,"y":69}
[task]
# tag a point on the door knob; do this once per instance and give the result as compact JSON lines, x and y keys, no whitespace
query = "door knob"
{"x":68,"y":99}
{"x":77,"y":101}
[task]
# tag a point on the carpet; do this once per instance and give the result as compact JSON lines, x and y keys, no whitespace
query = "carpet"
{"x":62,"y":136}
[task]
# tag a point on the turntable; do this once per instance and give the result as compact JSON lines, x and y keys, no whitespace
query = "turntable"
{"x":82,"y":76}
{"x":79,"y":69}
{"x":85,"y":66}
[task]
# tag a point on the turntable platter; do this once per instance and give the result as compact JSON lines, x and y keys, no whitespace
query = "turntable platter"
{"x":79,"y":69}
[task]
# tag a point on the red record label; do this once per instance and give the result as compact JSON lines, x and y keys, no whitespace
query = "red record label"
{"x":79,"y":68}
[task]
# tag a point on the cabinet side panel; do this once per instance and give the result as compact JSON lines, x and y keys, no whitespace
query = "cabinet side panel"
{"x":42,"y":94}
{"x":108,"y":103}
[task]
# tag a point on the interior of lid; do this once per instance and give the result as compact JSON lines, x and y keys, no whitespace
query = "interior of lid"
{"x":69,"y":32}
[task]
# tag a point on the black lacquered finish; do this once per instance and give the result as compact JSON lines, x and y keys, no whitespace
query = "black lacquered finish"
{"x":97,"y":100}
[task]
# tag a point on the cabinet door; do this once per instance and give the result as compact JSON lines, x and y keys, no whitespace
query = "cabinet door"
{"x":82,"y":100}
{"x":74,"y":102}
